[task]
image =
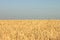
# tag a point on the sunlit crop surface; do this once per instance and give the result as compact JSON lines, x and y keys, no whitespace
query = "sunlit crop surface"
{"x":29,"y":29}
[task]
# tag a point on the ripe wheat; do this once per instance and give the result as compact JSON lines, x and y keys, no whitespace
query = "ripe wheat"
{"x":29,"y":29}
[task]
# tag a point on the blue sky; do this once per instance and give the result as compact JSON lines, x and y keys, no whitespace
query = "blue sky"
{"x":10,"y":9}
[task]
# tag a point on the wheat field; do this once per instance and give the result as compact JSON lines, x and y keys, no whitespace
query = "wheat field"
{"x":29,"y":29}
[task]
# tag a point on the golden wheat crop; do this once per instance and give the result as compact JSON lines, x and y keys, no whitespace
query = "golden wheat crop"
{"x":29,"y":29}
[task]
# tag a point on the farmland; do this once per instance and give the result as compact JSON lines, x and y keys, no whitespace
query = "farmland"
{"x":29,"y":29}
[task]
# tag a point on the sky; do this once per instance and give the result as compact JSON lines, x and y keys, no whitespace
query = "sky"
{"x":29,"y":9}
